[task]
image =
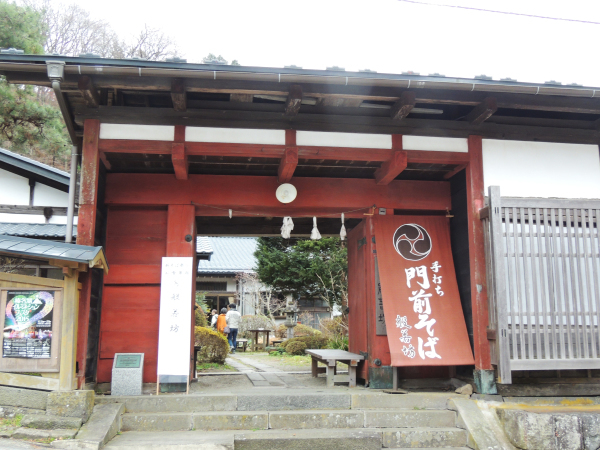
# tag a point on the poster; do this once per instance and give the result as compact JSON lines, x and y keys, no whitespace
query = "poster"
{"x":423,"y":313}
{"x":175,"y":323}
{"x":28,"y":319}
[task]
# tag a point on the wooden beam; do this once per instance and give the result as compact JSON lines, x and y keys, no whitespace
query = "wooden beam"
{"x":390,"y":169}
{"x":89,"y":92}
{"x":178,"y":94}
{"x":338,"y":123}
{"x":289,"y":160}
{"x":288,"y":165}
{"x":277,"y":151}
{"x":257,"y":193}
{"x":241,"y":98}
{"x":105,"y":160}
{"x":558,"y":103}
{"x":294,"y":100}
{"x":483,"y":111}
{"x":454,"y":171}
{"x":180,"y":161}
{"x":477,"y":267}
{"x":86,"y":234}
{"x":404,"y":106}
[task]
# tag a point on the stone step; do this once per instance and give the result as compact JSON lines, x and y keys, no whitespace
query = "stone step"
{"x":407,"y":418}
{"x":376,"y":400}
{"x":279,"y":401}
{"x":175,"y":440}
{"x":424,"y":437}
{"x":33,"y":434}
{"x":336,"y":439}
{"x":293,"y":420}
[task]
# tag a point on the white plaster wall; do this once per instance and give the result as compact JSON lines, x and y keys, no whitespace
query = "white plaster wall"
{"x":14,"y":189}
{"x":354,"y":140}
{"x":47,"y":196}
{"x":435,"y":144}
{"x":235,"y":135}
{"x":141,"y":132}
{"x":541,"y":169}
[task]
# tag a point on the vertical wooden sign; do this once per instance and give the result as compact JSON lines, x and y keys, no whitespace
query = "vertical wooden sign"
{"x":423,"y":313}
{"x":174,"y":329}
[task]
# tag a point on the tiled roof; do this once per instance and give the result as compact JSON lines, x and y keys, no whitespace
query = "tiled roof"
{"x":36,"y":230}
{"x":31,"y":165}
{"x":203,"y":245}
{"x":230,"y":255}
{"x":36,"y":248}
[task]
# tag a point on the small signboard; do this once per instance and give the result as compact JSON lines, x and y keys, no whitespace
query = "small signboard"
{"x":30,"y":327}
{"x":175,"y":323}
{"x":127,"y":374}
{"x":128,"y":360}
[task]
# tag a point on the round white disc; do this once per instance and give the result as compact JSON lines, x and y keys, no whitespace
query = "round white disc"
{"x":286,"y":193}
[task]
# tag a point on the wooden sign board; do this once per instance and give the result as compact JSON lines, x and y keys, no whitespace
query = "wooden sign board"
{"x":31,"y":324}
{"x":423,"y":314}
{"x":175,"y":320}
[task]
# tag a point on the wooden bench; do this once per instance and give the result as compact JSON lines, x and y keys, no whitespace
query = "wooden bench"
{"x":330,"y":358}
{"x":243,"y":342}
{"x":276,"y":341}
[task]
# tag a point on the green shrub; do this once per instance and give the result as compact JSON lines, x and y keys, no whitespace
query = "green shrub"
{"x":314,"y":342}
{"x":214,"y":345}
{"x":304,"y":330}
{"x":250,"y":322}
{"x":201,"y":320}
{"x":338,"y":342}
{"x":295,"y":348}
{"x":334,"y":327}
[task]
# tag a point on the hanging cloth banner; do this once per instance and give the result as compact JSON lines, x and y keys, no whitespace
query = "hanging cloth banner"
{"x":423,"y":314}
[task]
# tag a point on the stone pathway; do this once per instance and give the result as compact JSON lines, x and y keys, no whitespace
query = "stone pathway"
{"x":263,"y":375}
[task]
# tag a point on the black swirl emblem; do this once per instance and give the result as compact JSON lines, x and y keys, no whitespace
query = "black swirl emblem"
{"x":412,"y":242}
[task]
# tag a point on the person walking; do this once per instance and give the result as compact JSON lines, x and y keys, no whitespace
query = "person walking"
{"x":213,"y":318}
{"x":233,"y":319}
{"x":222,"y":322}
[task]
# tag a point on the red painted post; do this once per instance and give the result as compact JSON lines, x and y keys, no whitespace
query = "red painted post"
{"x":86,"y":229}
{"x":479,"y":298}
{"x":181,"y":242}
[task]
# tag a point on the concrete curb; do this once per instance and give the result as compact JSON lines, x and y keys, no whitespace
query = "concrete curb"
{"x":484,"y":433}
{"x":103,"y":425}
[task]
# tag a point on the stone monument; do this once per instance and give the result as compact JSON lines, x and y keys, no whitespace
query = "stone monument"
{"x":127,"y":372}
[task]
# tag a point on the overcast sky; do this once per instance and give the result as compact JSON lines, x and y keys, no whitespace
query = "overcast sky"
{"x":388,"y":36}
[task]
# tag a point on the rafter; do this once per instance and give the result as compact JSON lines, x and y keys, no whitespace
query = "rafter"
{"x":404,"y":106}
{"x":483,"y":111}
{"x":294,"y":100}
{"x":89,"y":92}
{"x":178,"y":94}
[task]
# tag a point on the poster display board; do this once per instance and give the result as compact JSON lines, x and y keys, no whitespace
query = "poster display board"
{"x":175,"y":320}
{"x":423,"y":313}
{"x":30,"y":329}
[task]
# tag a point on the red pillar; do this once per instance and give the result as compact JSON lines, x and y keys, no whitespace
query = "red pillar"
{"x":479,"y":298}
{"x":86,"y":230}
{"x":181,"y":241}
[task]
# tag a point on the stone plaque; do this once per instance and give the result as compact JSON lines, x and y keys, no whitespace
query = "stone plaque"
{"x":127,"y":372}
{"x":128,"y":361}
